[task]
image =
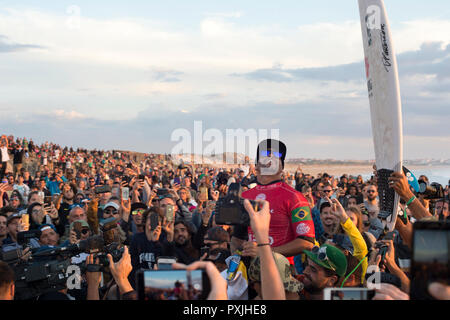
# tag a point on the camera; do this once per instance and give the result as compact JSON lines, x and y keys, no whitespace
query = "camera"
{"x":230,"y":210}
{"x":433,"y":191}
{"x":48,"y":270}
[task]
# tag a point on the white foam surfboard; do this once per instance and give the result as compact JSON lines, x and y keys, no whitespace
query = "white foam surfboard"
{"x":384,"y":90}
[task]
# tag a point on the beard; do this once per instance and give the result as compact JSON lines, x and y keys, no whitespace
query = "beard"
{"x":181,"y":242}
{"x":310,"y":287}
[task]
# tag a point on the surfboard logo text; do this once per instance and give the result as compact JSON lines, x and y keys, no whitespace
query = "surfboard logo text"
{"x":386,"y":56}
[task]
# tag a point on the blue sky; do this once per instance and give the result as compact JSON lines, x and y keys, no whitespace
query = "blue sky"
{"x":125,"y":75}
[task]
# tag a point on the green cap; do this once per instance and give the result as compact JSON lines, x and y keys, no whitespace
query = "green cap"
{"x":335,"y":259}
{"x":84,"y":224}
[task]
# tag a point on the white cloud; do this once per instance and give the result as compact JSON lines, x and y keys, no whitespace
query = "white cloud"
{"x":68,"y":115}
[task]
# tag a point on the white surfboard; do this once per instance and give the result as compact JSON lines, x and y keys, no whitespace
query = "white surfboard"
{"x":384,"y":96}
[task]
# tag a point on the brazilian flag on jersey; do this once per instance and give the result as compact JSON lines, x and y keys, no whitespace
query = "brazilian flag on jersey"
{"x":301,"y":214}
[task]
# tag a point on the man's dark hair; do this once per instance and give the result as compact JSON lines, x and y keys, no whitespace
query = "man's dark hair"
{"x":7,"y":209}
{"x":6,"y":275}
{"x":32,"y":193}
{"x":324,"y":205}
{"x":189,"y":226}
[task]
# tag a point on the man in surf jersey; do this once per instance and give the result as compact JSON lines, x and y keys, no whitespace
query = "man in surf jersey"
{"x":291,"y":224}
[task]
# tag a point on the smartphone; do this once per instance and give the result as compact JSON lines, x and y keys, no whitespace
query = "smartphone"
{"x":169,"y":213}
{"x":48,"y":201}
{"x":125,"y":193}
{"x":141,"y":177}
{"x":77,"y":227}
{"x":204,"y":250}
{"x":115,"y":192}
{"x":165,"y":263}
{"x":102,"y":189}
{"x":172,"y":284}
{"x":154,"y":220}
{"x":348,"y":294}
{"x":430,"y":258}
{"x":26,"y":219}
{"x":176,"y":181}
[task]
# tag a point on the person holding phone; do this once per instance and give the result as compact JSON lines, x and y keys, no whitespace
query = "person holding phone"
{"x":146,"y":246}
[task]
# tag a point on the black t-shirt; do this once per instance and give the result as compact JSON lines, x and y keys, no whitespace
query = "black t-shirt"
{"x":143,"y":254}
{"x":63,"y":213}
{"x":18,"y":156}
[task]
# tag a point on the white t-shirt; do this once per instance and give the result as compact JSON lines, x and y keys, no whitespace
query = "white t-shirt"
{"x":5,"y":155}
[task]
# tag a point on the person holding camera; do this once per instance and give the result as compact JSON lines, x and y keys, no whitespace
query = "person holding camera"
{"x":291,"y":226}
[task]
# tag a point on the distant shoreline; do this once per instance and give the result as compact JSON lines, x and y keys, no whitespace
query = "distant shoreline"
{"x":339,"y":170}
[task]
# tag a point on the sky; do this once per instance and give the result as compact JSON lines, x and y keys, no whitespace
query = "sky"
{"x":126,"y":75}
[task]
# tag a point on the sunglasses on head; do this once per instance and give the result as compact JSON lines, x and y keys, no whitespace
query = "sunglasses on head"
{"x":266,"y":153}
{"x":321,"y":254}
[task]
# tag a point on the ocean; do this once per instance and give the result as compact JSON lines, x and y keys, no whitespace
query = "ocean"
{"x":437,"y":174}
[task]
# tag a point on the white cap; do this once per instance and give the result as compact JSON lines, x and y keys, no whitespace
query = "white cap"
{"x":111,"y":204}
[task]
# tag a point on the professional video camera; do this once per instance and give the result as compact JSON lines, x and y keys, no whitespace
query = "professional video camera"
{"x":47,"y":270}
{"x":230,"y":209}
{"x":434,"y":191}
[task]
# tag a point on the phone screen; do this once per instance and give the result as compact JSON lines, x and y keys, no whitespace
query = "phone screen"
{"x":169,"y":213}
{"x":348,"y":294}
{"x":172,"y":285}
{"x":125,"y":193}
{"x":154,"y":220}
{"x":430,"y":261}
{"x":165,"y":263}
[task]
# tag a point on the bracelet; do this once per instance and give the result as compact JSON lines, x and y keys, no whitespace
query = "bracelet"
{"x":263,"y":244}
{"x":411,"y":200}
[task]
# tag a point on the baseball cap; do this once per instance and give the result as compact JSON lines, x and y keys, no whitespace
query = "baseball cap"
{"x":111,"y":204}
{"x":12,"y":217}
{"x":329,"y":257}
{"x":138,"y":205}
{"x":273,"y":145}
{"x":284,"y":268}
{"x":46,"y":226}
{"x":83,"y":223}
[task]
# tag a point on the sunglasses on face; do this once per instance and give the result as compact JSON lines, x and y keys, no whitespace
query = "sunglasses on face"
{"x":366,"y":223}
{"x":370,"y":191}
{"x":111,"y":211}
{"x":327,"y":191}
{"x":140,"y":211}
{"x":267,"y":153}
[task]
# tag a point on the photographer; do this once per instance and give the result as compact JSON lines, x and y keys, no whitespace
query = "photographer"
{"x":291,"y":228}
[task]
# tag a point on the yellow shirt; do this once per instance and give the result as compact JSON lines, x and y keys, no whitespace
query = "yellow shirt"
{"x":359,"y":245}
